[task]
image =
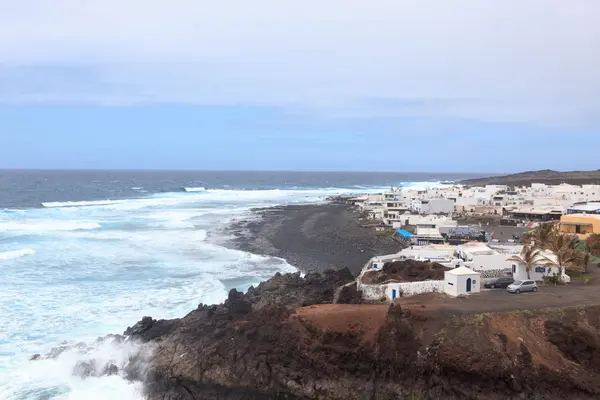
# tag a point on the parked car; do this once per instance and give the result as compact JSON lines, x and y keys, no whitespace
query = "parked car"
{"x":522,"y":286}
{"x":499,"y":282}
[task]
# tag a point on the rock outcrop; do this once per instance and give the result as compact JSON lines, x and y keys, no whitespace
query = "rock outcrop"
{"x":285,"y":340}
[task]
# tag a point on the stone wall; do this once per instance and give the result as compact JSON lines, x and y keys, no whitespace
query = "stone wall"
{"x":493,"y":273}
{"x":407,"y":289}
{"x":404,"y":289}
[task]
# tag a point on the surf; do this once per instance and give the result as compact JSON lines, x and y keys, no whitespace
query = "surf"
{"x":14,"y":254}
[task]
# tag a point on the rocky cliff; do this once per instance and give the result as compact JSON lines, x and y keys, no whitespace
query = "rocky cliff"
{"x":284,"y":340}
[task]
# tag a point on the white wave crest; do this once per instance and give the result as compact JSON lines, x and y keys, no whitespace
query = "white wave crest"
{"x":49,"y":226}
{"x":55,"y":204}
{"x":195,"y":189}
{"x":172,"y":225}
{"x":11,"y":255}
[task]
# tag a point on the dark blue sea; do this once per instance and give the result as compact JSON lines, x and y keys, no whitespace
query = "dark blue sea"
{"x":87,"y":253}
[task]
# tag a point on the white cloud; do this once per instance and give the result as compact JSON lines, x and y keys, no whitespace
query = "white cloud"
{"x":515,"y":60}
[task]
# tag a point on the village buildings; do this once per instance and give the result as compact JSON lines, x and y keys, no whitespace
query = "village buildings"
{"x":425,"y":222}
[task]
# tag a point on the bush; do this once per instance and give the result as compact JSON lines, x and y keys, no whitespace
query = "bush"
{"x":552,"y":279}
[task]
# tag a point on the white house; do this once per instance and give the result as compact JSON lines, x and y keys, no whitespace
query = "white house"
{"x":538,"y":272}
{"x":461,"y":280}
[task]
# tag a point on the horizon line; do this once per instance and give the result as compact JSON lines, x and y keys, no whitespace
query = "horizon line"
{"x":237,"y":170}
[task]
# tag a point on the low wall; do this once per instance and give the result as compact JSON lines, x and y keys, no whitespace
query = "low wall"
{"x":372,"y":292}
{"x":404,"y":289}
{"x":408,"y":289}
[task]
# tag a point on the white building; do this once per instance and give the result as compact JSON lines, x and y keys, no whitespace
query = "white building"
{"x":461,"y":281}
{"x":434,"y":206}
{"x":539,"y":271}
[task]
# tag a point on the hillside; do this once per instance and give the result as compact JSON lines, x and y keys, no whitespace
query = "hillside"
{"x":546,"y":176}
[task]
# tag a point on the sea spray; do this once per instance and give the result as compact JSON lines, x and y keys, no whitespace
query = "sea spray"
{"x":110,"y":367}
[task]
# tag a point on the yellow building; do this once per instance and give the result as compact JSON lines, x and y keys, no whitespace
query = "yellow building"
{"x":582,"y":224}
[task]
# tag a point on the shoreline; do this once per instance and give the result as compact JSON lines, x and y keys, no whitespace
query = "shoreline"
{"x":310,"y":237}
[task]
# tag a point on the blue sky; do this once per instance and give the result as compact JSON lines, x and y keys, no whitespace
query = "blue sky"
{"x":392,"y":85}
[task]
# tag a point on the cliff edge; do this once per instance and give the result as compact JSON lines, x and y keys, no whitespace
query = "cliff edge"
{"x":286,"y":340}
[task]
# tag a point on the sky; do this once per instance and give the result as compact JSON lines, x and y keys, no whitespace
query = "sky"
{"x":378,"y":85}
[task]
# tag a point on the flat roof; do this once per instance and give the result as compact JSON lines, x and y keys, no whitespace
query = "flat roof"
{"x":565,"y":218}
{"x":539,"y":211}
{"x":432,"y":232}
{"x":586,"y":207}
{"x":462,"y":271}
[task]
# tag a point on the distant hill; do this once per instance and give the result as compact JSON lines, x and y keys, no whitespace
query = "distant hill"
{"x":546,"y":176}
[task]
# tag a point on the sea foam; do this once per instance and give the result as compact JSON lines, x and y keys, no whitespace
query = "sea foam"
{"x":13,"y":254}
{"x":33,"y":225}
{"x":100,"y":266}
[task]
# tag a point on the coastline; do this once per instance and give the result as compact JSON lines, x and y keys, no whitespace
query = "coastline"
{"x":312,"y":237}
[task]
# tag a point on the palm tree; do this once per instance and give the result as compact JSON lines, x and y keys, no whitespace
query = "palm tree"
{"x":593,"y":243}
{"x":563,"y":247}
{"x":543,"y":235}
{"x":530,"y":256}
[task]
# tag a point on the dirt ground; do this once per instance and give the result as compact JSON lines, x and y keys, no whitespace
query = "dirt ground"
{"x":365,"y":319}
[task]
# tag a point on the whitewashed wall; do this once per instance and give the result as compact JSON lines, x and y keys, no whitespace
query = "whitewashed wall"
{"x":521,"y":272}
{"x":404,"y":289}
{"x":407,"y":289}
{"x":372,"y":292}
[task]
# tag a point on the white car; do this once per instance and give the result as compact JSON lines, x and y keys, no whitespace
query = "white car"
{"x":522,"y":286}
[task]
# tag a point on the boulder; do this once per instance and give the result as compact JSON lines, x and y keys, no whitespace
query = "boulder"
{"x":140,"y":327}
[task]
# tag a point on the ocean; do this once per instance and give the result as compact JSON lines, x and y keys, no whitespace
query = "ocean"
{"x":87,"y":253}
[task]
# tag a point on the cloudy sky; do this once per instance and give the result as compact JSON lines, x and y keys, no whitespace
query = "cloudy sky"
{"x":463,"y":85}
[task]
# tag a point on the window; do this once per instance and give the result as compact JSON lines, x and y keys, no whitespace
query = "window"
{"x":540,"y":270}
{"x":450,"y":283}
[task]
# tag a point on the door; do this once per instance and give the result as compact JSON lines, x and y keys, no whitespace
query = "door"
{"x":468,"y":284}
{"x":394,"y":294}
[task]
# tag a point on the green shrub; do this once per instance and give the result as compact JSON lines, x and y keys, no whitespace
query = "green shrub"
{"x":552,"y":279}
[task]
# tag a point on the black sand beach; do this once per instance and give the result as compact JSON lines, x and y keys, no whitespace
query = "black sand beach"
{"x":312,"y":237}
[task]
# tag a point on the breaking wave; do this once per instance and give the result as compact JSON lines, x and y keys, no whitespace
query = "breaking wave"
{"x":55,"y":204}
{"x":195,"y":189}
{"x":79,"y":371}
{"x":48,"y":226}
{"x":11,"y":255}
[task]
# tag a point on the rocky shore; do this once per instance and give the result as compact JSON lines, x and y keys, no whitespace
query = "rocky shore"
{"x":312,"y":238}
{"x":286,"y":339}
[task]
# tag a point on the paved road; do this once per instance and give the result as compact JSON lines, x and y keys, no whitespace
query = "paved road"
{"x":496,"y":300}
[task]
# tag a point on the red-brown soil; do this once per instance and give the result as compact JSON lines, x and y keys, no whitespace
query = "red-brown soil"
{"x":362,"y":319}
